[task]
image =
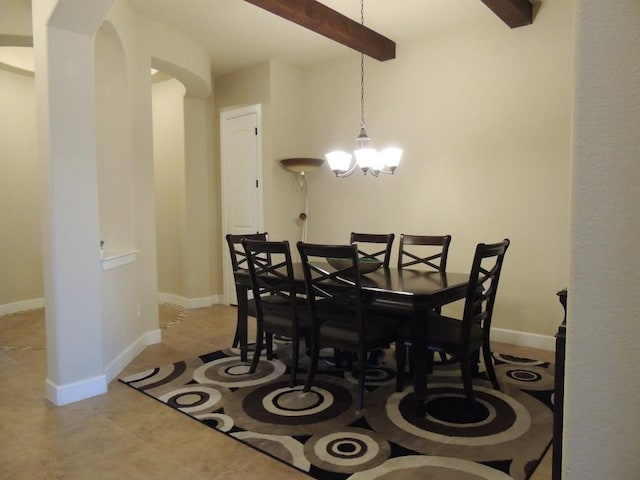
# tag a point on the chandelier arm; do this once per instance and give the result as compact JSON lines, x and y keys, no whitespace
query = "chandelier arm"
{"x":346,"y":173}
{"x":386,"y":171}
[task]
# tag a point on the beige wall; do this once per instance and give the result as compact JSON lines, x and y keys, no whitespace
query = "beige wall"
{"x":289,"y":141}
{"x":168,"y":147}
{"x":279,"y":89}
{"x":21,"y":258}
{"x":484,"y":116}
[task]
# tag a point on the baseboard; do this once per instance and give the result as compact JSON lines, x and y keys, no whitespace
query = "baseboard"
{"x":125,"y":357}
{"x":523,"y":339}
{"x":189,"y":302}
{"x":73,"y":392}
{"x":153,"y":336}
{"x":15,"y":307}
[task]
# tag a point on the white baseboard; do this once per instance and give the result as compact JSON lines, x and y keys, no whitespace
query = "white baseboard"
{"x":73,"y":392}
{"x":523,"y":339}
{"x":125,"y":357}
{"x":188,"y":302}
{"x":153,"y":337}
{"x":15,"y":307}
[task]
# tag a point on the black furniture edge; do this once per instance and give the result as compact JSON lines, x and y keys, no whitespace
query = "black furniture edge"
{"x":558,"y":410}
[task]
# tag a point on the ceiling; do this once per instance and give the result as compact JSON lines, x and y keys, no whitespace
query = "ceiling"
{"x":237,"y":34}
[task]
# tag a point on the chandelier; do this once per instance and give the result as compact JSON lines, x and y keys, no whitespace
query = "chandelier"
{"x":367,"y":158}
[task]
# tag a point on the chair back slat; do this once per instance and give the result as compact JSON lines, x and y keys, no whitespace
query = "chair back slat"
{"x":365,"y":244}
{"x":483,"y":285}
{"x":238,"y":256}
{"x":434,"y":251}
{"x":271,"y":272}
{"x":328,"y":288}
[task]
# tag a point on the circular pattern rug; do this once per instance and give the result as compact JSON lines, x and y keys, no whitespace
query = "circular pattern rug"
{"x":500,"y":434}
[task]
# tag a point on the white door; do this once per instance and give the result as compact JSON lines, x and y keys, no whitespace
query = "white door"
{"x":241,"y":169}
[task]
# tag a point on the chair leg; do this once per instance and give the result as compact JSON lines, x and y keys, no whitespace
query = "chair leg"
{"x":431,"y":360}
{"x":315,"y":355}
{"x":258,"y":350}
{"x":269,"y":346}
{"x":348,"y":361}
{"x":401,"y":359}
{"x":362,"y":370}
{"x":307,"y":345}
{"x":465,"y":367}
{"x":295,"y":349}
{"x":488,"y":362}
{"x":337,"y":357}
{"x":475,"y":364}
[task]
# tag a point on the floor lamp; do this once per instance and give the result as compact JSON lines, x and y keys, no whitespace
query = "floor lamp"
{"x":301,"y":166}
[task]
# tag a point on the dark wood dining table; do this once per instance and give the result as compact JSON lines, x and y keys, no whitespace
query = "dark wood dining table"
{"x":414,"y":293}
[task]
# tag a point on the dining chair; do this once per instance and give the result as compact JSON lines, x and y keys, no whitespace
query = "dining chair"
{"x":239,"y":263}
{"x":428,"y":252}
{"x":462,"y":339}
{"x":424,"y":251}
{"x":338,"y":319}
{"x":373,"y":249}
{"x":271,"y":273}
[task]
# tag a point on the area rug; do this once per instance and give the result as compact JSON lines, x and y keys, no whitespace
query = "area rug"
{"x":503,"y":436}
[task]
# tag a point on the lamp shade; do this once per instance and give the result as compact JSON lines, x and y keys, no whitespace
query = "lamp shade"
{"x":338,"y":161}
{"x":301,"y":164}
{"x":391,"y":156}
{"x":366,"y":157}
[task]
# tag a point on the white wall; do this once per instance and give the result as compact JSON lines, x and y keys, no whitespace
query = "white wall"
{"x":484,"y":116}
{"x":602,"y":425}
{"x":98,"y":321}
{"x":113,"y":140}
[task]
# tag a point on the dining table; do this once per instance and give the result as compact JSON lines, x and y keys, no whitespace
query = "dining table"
{"x":411,"y":293}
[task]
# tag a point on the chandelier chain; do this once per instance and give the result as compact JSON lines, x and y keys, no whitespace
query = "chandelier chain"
{"x":362,"y":70}
{"x":362,"y":90}
{"x":368,"y":159}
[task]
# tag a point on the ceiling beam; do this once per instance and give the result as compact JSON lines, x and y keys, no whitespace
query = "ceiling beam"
{"x":321,"y":19}
{"x":515,"y":13}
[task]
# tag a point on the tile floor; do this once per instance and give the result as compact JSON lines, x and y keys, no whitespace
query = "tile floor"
{"x":123,"y":434}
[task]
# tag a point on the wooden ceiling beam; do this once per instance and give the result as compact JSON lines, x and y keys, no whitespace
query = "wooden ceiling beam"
{"x":321,"y":19}
{"x":515,"y":13}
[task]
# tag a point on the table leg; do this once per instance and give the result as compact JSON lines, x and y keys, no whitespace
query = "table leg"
{"x":241,"y":294}
{"x":419,"y":358}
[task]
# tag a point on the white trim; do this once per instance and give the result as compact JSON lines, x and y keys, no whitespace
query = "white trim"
{"x":73,"y":392}
{"x":523,"y":339}
{"x":24,"y":305}
{"x":172,"y":299}
{"x":128,"y":354}
{"x":117,"y":259}
{"x":198,"y":302}
{"x":188,"y":302}
{"x":153,"y":337}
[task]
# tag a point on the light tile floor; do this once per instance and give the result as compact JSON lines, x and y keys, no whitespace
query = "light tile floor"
{"x":123,"y":434}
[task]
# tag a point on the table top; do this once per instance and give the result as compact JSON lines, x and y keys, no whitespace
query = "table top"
{"x":404,"y":285}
